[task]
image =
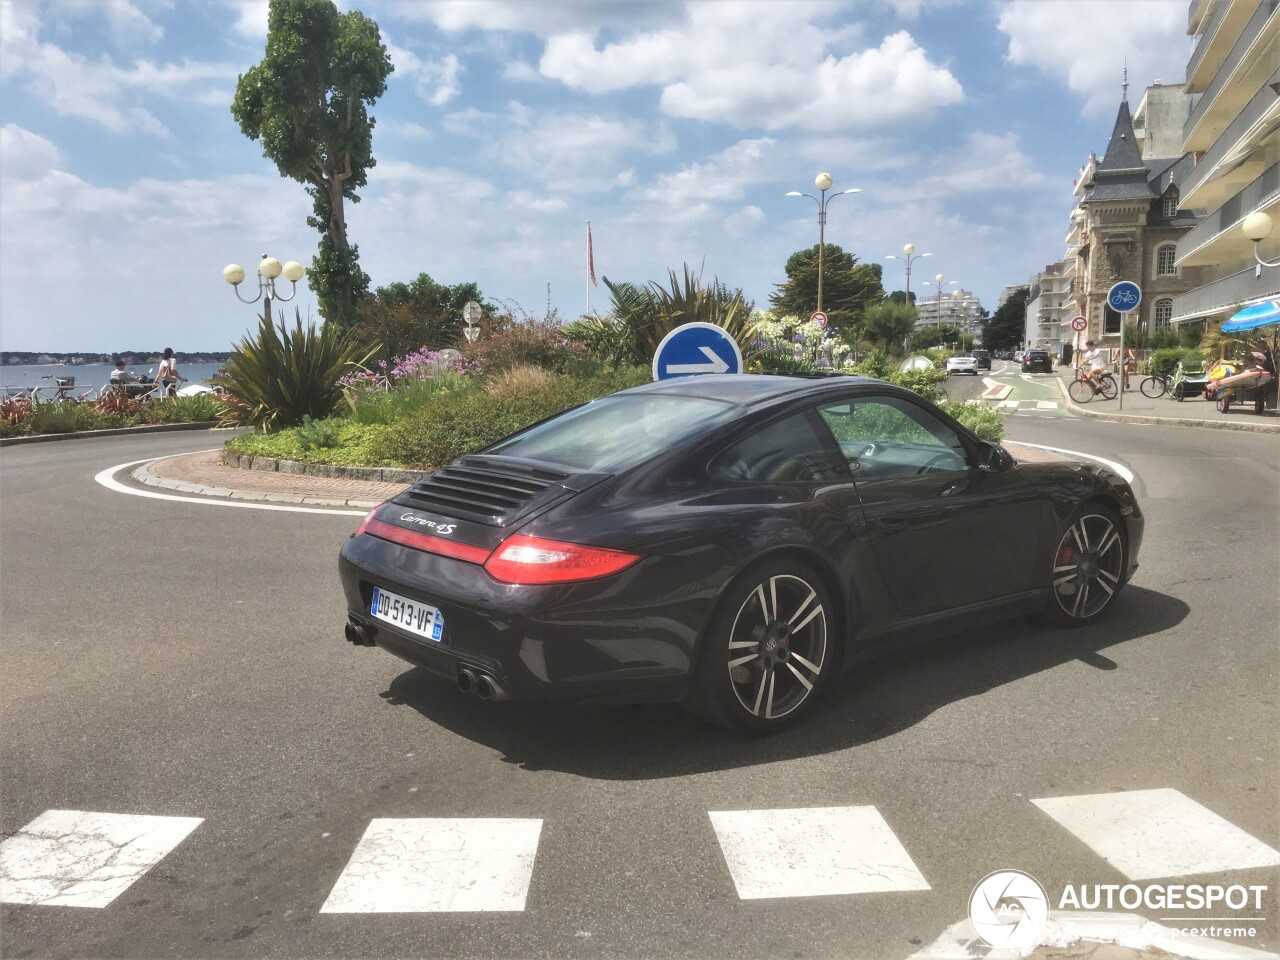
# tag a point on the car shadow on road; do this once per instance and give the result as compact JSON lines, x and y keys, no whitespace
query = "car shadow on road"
{"x":873,"y":701}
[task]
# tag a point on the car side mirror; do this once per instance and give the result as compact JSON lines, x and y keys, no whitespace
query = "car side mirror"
{"x":993,"y":458}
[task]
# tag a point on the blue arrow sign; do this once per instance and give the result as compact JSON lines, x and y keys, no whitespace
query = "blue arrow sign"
{"x":1124,"y":296}
{"x":696,"y":348}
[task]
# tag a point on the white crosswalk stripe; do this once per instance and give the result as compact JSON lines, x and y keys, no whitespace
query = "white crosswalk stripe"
{"x":77,"y":858}
{"x":427,"y":865}
{"x":1146,"y":834}
{"x":821,"y":851}
{"x":1029,"y":405}
{"x":446,"y":865}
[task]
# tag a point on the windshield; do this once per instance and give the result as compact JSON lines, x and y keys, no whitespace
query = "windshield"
{"x":617,"y":432}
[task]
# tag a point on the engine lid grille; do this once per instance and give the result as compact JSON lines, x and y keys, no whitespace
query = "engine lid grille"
{"x":492,"y":490}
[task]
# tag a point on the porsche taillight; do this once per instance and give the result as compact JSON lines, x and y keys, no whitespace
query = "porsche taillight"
{"x":528,"y":560}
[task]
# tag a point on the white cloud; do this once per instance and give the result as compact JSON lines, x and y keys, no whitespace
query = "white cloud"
{"x":98,"y":91}
{"x":251,"y":17}
{"x":775,"y":66}
{"x":563,"y":151}
{"x":128,"y":25}
{"x":724,"y":177}
{"x":435,"y":81}
{"x":544,"y":17}
{"x":25,"y":155}
{"x":1063,"y":41}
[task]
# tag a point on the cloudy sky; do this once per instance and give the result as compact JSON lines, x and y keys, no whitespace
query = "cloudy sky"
{"x":675,"y":127}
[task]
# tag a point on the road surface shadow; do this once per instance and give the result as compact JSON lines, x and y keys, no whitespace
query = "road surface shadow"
{"x":873,"y":701}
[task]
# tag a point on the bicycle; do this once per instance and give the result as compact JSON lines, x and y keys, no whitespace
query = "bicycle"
{"x":1156,"y":385}
{"x":1083,"y":389}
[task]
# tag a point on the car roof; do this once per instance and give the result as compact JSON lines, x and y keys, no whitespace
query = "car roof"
{"x":751,"y":389}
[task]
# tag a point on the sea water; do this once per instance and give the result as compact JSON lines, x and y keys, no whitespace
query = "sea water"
{"x":95,"y":375}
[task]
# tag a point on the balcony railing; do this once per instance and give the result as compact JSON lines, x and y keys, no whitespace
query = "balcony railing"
{"x":1227,"y":141}
{"x":1227,"y":217}
{"x":1227,"y":294}
{"x":1266,"y":10}
{"x":1206,"y":34}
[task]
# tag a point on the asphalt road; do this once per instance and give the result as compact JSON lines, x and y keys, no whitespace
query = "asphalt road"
{"x":185,"y":660}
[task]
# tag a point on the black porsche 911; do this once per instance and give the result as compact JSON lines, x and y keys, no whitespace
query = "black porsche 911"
{"x":728,"y":541}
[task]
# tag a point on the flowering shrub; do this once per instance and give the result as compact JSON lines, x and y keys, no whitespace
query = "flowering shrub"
{"x":523,"y":341}
{"x":789,"y":345}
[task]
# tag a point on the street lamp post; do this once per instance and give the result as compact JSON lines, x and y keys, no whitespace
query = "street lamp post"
{"x":823,"y":182}
{"x":268,"y":271}
{"x":1257,"y":227}
{"x":937,"y":313}
{"x":910,"y":256}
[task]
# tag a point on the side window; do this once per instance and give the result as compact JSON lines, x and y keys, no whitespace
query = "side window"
{"x":888,"y":437}
{"x":788,"y":449}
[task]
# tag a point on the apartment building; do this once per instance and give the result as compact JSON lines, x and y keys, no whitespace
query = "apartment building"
{"x":1233,"y":131}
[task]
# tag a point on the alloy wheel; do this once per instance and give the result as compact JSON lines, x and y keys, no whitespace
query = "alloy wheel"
{"x":778,"y":646}
{"x":1088,"y":566}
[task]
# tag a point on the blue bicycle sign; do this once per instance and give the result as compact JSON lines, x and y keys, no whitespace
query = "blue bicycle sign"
{"x":1124,"y":296}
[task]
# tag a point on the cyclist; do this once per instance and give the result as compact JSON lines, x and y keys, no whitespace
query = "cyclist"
{"x":1129,"y":363}
{"x":1097,"y":363}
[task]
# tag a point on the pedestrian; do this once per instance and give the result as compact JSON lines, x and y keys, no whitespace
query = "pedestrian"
{"x":168,"y":374}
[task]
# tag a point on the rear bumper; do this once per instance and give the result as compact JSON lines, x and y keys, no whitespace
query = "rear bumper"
{"x":630,"y":637}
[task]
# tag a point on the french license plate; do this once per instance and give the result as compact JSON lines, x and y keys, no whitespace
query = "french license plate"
{"x":420,"y":618}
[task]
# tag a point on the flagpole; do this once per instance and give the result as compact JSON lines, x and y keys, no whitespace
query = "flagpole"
{"x":588,"y":268}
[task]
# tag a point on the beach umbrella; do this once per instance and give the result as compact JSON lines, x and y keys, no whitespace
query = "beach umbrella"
{"x":1251,"y":318}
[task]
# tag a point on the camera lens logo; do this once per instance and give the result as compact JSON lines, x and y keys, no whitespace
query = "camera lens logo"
{"x":1009,"y":908}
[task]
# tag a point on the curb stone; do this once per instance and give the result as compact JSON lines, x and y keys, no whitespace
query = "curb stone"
{"x":113,"y":432}
{"x":1239,"y":425}
{"x":145,"y":476}
{"x":325,"y":471}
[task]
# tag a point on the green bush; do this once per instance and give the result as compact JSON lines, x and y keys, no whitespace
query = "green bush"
{"x":1164,"y":362}
{"x":524,"y":342}
{"x":465,"y":422}
{"x":279,"y":376}
{"x":317,"y":434}
{"x":984,"y":420}
{"x":405,"y":398}
{"x":200,"y":408}
{"x":351,"y":449}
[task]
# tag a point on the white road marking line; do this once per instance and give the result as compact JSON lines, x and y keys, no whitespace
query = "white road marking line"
{"x":1117,"y":467}
{"x":78,"y":858}
{"x":428,"y":865}
{"x":1146,"y":834}
{"x":821,"y":851}
{"x":107,"y":479}
{"x":1046,"y":404}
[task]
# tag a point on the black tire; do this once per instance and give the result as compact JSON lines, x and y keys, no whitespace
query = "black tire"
{"x":1107,"y":385}
{"x":760,"y":670}
{"x":1087,"y":567}
{"x":1224,"y":403}
{"x":1080,"y":391}
{"x":1153,"y":387}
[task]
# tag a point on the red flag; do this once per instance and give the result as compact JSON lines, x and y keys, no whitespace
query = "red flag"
{"x":591,"y":260}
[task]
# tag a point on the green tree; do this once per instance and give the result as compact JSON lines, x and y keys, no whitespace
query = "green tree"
{"x":422,"y":313}
{"x":1007,"y":326}
{"x":308,"y":102}
{"x":848,"y":287}
{"x":887,"y":325}
{"x":922,"y":338}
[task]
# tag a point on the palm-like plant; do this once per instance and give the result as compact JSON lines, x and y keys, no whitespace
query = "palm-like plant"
{"x":279,"y":376}
{"x":649,"y":313}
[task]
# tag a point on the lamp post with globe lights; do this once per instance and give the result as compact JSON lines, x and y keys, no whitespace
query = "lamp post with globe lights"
{"x":938,"y":282}
{"x":1257,"y":227}
{"x":269,"y":270}
{"x":823,"y":182}
{"x":910,"y":256}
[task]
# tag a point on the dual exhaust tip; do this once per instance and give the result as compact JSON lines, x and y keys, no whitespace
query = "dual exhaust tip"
{"x":470,"y":679}
{"x":481,"y":684}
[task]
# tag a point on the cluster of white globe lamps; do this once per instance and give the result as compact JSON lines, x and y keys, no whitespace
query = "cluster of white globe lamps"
{"x":268,"y":271}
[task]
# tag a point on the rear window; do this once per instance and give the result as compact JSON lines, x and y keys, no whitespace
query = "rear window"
{"x":613,"y":433}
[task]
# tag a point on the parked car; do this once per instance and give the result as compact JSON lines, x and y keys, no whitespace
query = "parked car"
{"x":983,"y":357}
{"x":729,"y":541}
{"x":1034,"y":360}
{"x":963,"y":364}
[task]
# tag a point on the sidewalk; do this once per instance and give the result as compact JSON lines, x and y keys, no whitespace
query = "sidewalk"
{"x":1192,"y":412}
